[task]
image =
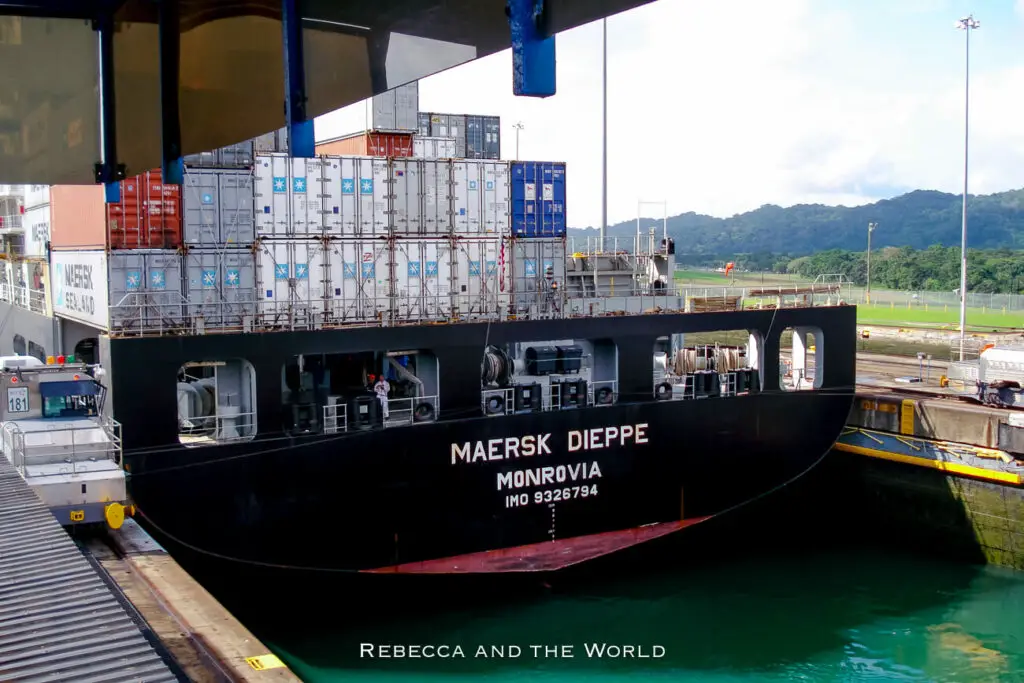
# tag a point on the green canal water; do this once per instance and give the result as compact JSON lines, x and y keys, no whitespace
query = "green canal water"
{"x":855,"y":613}
{"x":811,"y":584}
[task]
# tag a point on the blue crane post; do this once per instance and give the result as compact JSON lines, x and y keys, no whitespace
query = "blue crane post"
{"x":108,"y":171}
{"x":170,"y":58}
{"x":533,"y":50}
{"x":301,"y":142}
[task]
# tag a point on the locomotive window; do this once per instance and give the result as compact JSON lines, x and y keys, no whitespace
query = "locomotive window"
{"x":68,"y":399}
{"x":37,"y":351}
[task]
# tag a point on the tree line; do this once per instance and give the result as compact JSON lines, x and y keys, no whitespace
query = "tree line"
{"x":937,"y":268}
{"x":916,"y":219}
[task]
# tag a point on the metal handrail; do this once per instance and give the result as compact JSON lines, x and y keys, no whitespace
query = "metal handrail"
{"x":213,"y":429}
{"x":550,"y":399}
{"x":11,"y":223}
{"x":335,"y":421}
{"x":24,"y":297}
{"x":23,"y":457}
{"x":142,"y":314}
{"x":402,"y":411}
{"x":727,"y":383}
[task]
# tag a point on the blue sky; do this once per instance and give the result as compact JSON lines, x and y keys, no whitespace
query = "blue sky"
{"x":720,"y":107}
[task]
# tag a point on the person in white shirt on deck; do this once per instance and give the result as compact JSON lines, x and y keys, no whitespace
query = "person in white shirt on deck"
{"x":381,"y":388}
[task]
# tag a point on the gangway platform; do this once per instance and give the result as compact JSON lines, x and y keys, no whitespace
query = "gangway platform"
{"x":59,"y":619}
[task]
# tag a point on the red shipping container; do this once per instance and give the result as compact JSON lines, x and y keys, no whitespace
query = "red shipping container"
{"x":374,"y":143}
{"x":148,"y":215}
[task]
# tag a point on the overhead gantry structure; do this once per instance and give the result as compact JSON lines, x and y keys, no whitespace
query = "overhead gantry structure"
{"x":92,"y":91}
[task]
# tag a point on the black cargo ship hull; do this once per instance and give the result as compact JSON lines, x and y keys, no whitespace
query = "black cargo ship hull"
{"x":393,"y":499}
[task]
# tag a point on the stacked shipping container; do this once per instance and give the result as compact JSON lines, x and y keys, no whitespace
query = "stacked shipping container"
{"x":164,"y":256}
{"x":396,"y":109}
{"x":424,"y":147}
{"x":371,"y":143}
{"x":360,"y":239}
{"x":314,"y":242}
{"x":476,"y":137}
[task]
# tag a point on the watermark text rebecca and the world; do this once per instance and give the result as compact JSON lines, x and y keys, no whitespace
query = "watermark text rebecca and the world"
{"x":588,"y":650}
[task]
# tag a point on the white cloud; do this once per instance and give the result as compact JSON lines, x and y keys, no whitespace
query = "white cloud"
{"x":721,"y":107}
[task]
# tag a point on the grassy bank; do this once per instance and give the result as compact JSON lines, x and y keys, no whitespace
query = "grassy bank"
{"x":979,"y":319}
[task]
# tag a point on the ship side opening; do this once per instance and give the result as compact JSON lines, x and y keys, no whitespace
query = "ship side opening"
{"x":800,"y":354}
{"x":340,"y":392}
{"x":704,"y":365}
{"x":216,"y":402}
{"x":560,"y":374}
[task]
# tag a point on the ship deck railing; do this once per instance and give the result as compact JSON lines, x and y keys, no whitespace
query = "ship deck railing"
{"x":24,"y":297}
{"x":11,"y":223}
{"x":335,"y":418}
{"x":221,"y":427}
{"x":401,"y":412}
{"x":140,"y":314}
{"x":414,"y":410}
{"x":72,"y":450}
{"x":494,"y":402}
{"x":684,"y":387}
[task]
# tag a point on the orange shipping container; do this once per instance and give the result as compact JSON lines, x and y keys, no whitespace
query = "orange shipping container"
{"x":77,"y":217}
{"x":148,"y":215}
{"x":372,"y":143}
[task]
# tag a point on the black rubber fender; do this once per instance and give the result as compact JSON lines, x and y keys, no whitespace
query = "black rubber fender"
{"x":495,"y":405}
{"x":424,"y":412}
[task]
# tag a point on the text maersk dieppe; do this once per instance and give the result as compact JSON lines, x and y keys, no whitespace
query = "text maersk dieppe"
{"x":539,"y":444}
{"x":562,"y":482}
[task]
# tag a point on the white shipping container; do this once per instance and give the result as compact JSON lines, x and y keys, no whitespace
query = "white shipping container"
{"x":366,"y":287}
{"x":420,"y":197}
{"x":423,"y":279}
{"x":217,"y":207}
{"x":331,"y":175}
{"x":436,"y":181}
{"x":36,"y":195}
{"x":406,"y":193}
{"x":536,"y":264}
{"x":482,"y":276}
{"x":220,"y":286}
{"x":481,"y":197}
{"x":364,"y":197}
{"x":145,"y":289}
{"x":292,"y":196}
{"x":80,"y":286}
{"x":36,"y":223}
{"x":296,"y":280}
{"x":427,"y":147}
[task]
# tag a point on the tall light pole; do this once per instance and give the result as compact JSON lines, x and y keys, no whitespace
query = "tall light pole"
{"x":871,"y":229}
{"x":967,"y":24}
{"x":518,"y":125}
{"x":604,"y":131}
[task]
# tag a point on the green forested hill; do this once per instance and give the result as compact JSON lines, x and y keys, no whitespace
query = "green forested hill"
{"x":917,"y":219}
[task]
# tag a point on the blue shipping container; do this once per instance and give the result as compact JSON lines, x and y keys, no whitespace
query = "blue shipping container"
{"x":538,"y":199}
